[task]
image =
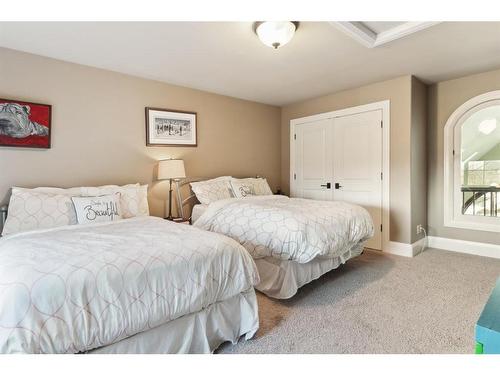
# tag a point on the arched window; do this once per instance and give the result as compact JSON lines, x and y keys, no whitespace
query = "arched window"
{"x":472,"y":164}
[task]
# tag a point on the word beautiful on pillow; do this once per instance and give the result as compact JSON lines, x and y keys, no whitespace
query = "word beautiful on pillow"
{"x":101,"y":209}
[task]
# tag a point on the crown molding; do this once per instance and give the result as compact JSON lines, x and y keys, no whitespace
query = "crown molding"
{"x":362,"y":34}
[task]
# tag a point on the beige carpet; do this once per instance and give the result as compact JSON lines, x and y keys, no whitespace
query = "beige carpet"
{"x":380,"y":304}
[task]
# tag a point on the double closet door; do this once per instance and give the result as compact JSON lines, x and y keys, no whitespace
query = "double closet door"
{"x":341,"y":159}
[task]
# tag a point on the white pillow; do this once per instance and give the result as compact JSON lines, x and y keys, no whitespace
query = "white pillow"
{"x":31,"y":210}
{"x":75,"y":191}
{"x":98,"y":209}
{"x":212,"y":190}
{"x":142,"y":201}
{"x":242,"y":189}
{"x":133,"y":197}
{"x":250,"y":186}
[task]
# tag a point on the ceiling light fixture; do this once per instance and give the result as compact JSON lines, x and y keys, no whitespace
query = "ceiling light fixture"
{"x":487,"y":126}
{"x":275,"y":34}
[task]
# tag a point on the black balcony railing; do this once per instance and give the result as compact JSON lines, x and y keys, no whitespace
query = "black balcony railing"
{"x":480,"y":200}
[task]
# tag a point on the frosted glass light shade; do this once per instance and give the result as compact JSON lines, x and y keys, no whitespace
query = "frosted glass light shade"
{"x":171,"y":168}
{"x":275,"y":34}
{"x":487,"y":126}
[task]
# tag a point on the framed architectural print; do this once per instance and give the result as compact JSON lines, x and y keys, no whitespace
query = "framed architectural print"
{"x":165,"y":127}
{"x":24,"y":124}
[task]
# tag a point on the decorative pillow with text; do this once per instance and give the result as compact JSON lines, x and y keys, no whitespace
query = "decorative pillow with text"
{"x":101,"y":209}
{"x":253,"y":186}
{"x":242,"y":189}
{"x":133,"y":197}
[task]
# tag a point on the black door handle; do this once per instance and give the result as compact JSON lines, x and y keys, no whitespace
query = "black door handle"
{"x":328,"y":185}
{"x":337,"y":185}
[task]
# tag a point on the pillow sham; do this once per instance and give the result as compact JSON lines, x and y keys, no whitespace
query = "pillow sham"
{"x":212,"y":190}
{"x":100,"y":209}
{"x":242,"y":189}
{"x":133,"y":197}
{"x":32,"y":210}
{"x":55,"y":190}
{"x":258,"y":186}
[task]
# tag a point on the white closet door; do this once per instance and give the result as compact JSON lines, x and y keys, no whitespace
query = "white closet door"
{"x":357,"y":165}
{"x":313,"y":160}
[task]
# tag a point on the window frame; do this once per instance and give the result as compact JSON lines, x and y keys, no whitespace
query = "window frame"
{"x":452,"y":201}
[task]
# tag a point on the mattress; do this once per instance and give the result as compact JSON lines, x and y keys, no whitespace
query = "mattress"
{"x":198,"y":210}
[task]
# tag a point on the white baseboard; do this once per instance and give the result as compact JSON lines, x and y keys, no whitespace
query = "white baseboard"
{"x":459,"y":246}
{"x":466,"y":247}
{"x":405,"y":249}
{"x":399,"y":248}
{"x":420,"y":245}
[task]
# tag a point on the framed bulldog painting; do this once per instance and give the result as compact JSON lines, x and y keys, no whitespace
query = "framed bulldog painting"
{"x":165,"y":127}
{"x":24,"y":124}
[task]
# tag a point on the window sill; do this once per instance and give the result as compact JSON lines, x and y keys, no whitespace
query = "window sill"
{"x":472,"y":225}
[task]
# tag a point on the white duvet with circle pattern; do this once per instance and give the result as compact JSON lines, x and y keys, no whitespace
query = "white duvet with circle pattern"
{"x":289,"y":228}
{"x":74,"y":288}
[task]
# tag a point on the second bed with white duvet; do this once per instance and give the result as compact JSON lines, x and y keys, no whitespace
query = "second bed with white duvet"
{"x":293,"y":241}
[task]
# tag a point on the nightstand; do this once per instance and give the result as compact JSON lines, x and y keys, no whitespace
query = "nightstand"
{"x":279,"y":192}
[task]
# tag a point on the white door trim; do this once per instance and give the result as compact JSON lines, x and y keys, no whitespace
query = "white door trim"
{"x":384,"y":106}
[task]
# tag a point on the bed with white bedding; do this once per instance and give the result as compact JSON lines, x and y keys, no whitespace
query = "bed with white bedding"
{"x":293,"y":241}
{"x":139,"y":285}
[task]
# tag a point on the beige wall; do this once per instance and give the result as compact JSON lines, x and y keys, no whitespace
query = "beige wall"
{"x":99,"y":134}
{"x":398,"y":91}
{"x":98,"y":130}
{"x":444,"y":98}
{"x":418,"y":157}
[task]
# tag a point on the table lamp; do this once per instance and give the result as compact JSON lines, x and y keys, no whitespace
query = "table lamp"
{"x":171,"y":169}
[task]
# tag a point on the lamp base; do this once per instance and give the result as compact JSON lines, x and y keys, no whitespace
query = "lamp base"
{"x":178,"y":220}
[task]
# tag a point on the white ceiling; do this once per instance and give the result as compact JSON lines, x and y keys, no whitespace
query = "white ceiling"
{"x":227,"y":58}
{"x":476,"y":144}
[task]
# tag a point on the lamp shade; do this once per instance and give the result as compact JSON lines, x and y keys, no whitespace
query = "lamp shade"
{"x":171,"y":168}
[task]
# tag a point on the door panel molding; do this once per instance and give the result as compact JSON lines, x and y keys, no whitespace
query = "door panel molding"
{"x":384,"y":106}
{"x":357,"y":164}
{"x":313,"y":173}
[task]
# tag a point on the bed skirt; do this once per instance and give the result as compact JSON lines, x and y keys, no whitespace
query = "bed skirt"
{"x":200,"y":332}
{"x":282,"y":278}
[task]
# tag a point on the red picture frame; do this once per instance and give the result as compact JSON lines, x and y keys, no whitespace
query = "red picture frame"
{"x":25,"y":124}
